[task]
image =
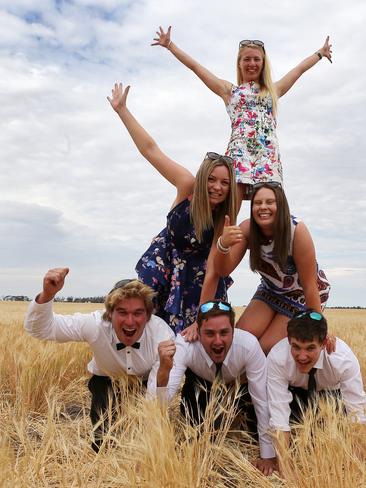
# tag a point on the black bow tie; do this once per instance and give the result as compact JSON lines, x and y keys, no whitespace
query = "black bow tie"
{"x":120,"y":345}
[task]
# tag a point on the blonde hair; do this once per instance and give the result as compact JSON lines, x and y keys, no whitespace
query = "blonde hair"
{"x":201,"y":213}
{"x":133,"y":289}
{"x":266,"y":84}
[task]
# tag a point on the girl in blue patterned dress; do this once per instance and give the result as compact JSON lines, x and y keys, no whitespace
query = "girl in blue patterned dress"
{"x":175,"y":263}
{"x":282,"y":252}
{"x":251,"y":106}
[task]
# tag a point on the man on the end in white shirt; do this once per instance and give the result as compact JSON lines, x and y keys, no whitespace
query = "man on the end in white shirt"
{"x":124,"y":338}
{"x":300,"y":370}
{"x":221,"y":352}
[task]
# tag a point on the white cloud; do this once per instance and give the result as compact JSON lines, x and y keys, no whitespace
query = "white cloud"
{"x":89,"y":198}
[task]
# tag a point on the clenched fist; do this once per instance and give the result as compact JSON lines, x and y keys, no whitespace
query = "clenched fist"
{"x":53,"y":282}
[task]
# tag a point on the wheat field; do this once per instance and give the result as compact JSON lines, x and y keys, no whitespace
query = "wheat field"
{"x":45,"y":427}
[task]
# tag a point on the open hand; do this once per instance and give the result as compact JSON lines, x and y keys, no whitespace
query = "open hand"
{"x":266,"y":466}
{"x":119,"y":97}
{"x":162,"y":38}
{"x":330,"y":343}
{"x":190,"y":333}
{"x":326,"y":50}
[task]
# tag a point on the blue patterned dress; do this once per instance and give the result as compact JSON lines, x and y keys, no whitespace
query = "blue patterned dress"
{"x":281,"y":289}
{"x":174,"y":266}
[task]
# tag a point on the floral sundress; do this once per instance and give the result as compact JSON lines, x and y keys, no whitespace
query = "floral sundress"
{"x":253,"y":143}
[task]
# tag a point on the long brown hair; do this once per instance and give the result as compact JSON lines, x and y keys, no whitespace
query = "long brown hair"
{"x":201,"y":213}
{"x":265,"y":79}
{"x":282,"y":231}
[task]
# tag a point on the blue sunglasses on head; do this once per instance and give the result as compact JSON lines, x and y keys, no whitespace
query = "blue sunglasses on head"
{"x":206,"y":307}
{"x":313,"y":315}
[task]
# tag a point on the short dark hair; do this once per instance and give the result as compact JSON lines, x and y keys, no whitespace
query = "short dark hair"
{"x":214,"y":312}
{"x":304,"y":328}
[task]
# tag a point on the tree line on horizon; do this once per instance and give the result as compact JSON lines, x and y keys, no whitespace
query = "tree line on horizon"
{"x":100,"y":299}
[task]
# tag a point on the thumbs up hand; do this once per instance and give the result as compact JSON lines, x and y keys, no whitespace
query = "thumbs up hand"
{"x":231,"y":234}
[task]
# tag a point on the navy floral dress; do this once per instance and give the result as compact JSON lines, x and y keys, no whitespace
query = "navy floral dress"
{"x":174,"y":266}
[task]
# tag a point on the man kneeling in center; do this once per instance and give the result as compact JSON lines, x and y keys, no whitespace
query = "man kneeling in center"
{"x":225,"y":352}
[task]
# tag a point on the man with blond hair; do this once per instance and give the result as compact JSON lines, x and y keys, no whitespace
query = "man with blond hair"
{"x":124,"y":338}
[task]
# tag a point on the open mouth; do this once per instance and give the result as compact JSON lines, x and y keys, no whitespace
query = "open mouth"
{"x":218,"y":351}
{"x":129,"y":332}
{"x":304,"y":366}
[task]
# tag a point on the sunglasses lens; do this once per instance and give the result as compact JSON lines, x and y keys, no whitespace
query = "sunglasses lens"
{"x":312,"y":315}
{"x":247,"y":42}
{"x":315,"y":316}
{"x":212,"y":155}
{"x":206,"y":307}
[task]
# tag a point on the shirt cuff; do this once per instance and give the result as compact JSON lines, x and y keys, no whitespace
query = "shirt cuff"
{"x":162,"y":394}
{"x":40,"y":305}
{"x":266,"y":450}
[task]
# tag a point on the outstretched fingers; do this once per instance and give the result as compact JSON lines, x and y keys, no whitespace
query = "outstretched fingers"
{"x":162,"y":38}
{"x":327,"y":50}
{"x":119,"y":96}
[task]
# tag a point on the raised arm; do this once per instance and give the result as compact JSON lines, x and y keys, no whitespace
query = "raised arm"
{"x":176,"y":174}
{"x":41,"y":323}
{"x":208,"y":292}
{"x":221,"y":87}
{"x":285,"y":83}
{"x":234,"y":236}
{"x":305,"y":261}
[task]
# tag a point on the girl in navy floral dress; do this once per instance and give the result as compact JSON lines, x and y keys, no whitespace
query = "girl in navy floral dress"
{"x":175,"y":263}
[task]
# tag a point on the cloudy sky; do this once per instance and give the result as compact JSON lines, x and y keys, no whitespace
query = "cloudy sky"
{"x":75,"y":192}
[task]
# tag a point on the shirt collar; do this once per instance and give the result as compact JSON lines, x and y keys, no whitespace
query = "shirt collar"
{"x":320,"y":361}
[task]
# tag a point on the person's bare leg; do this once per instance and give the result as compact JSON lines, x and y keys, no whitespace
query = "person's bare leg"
{"x":256,"y":318}
{"x":276,"y":331}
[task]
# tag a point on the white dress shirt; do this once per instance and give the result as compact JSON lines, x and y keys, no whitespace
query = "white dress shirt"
{"x":42,"y":323}
{"x":339,"y":370}
{"x":244,"y":356}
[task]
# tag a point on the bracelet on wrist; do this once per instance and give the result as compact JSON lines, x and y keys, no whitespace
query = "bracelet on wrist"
{"x":319,"y":54}
{"x":221,"y":248}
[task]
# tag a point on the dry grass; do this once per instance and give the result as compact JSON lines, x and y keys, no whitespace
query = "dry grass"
{"x":45,"y":428}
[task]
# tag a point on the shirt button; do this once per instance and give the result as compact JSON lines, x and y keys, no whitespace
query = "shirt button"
{"x":128,"y":368}
{"x":128,"y":352}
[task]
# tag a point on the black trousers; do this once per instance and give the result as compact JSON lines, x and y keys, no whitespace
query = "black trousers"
{"x":196,"y":394}
{"x":301,"y":401}
{"x":105,"y":396}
